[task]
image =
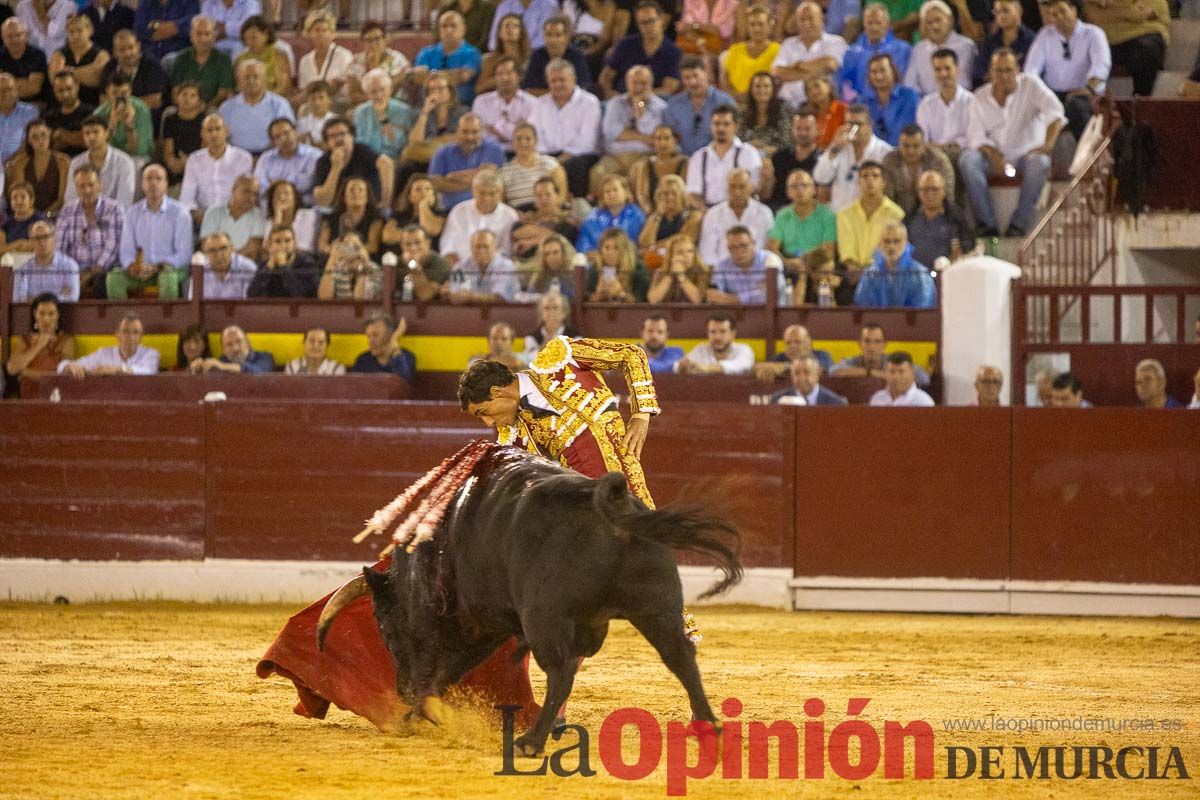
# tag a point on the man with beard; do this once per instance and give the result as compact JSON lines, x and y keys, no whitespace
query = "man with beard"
{"x":660,"y":355}
{"x":721,"y":354}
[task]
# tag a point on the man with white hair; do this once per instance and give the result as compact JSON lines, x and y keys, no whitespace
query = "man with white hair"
{"x":382,"y":121}
{"x":486,"y":276}
{"x":249,"y":113}
{"x":567,"y":120}
{"x":895,"y":279}
{"x":236,"y":356}
{"x":483,"y":211}
{"x":455,"y":164}
{"x":227,"y":274}
{"x":937,"y":33}
{"x":209,"y":173}
{"x":629,"y":123}
{"x":811,"y":52}
{"x":989,"y":381}
{"x":1150,"y":383}
{"x":25,"y":63}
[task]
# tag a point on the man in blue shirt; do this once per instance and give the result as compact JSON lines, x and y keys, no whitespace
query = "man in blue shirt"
{"x":289,"y":160}
{"x":742,"y":277}
{"x":840,"y":14}
{"x":156,"y":242}
{"x":649,"y":47}
{"x":249,"y":115}
{"x":454,"y":165}
{"x":163,"y":26}
{"x":236,"y":356}
{"x":877,"y":37}
{"x":662,"y":356}
{"x":689,"y":113}
{"x":895,"y":279}
{"x":384,"y":353}
{"x":892,"y":107}
{"x":14,"y":117}
{"x":453,"y":56}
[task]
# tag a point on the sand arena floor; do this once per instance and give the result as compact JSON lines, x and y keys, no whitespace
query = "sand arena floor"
{"x":160,"y":700}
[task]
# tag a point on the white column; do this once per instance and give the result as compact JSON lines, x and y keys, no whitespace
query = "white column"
{"x":976,"y":325}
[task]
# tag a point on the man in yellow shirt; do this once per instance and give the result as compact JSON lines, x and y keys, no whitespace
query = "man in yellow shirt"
{"x":860,"y":224}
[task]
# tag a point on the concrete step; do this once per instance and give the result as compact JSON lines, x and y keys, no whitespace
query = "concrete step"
{"x":1185,"y":43}
{"x":1168,"y":82}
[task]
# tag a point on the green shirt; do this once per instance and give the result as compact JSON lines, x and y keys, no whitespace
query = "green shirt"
{"x":798,"y":236}
{"x":141,"y":124}
{"x":215,"y":75}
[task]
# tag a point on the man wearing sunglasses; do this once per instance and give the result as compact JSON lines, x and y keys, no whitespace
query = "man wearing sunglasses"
{"x":1074,"y":60}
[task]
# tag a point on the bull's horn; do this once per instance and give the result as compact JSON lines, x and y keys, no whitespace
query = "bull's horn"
{"x":350,"y":591}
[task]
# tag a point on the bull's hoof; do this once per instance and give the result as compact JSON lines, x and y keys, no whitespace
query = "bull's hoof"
{"x":527,"y":747}
{"x":434,"y":710}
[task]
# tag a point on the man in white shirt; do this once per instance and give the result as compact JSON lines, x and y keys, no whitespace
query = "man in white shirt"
{"x":502,"y":109}
{"x":937,"y":33}
{"x":1073,"y":58}
{"x":709,"y":167}
{"x":721,"y":354}
{"x":209,"y":173}
{"x":837,"y":168}
{"x":811,"y":52}
{"x":901,"y":387}
{"x":46,"y":22}
{"x":567,"y":120}
{"x":944,"y":114}
{"x":630,"y":120}
{"x":740,"y":209}
{"x":483,"y":211}
{"x":114,"y":167}
{"x":484,"y":277}
{"x":1014,"y":123}
{"x":127,"y":357}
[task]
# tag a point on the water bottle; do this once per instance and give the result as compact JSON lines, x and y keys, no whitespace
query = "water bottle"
{"x":406,"y":290}
{"x":824,"y":294}
{"x":788,"y":297}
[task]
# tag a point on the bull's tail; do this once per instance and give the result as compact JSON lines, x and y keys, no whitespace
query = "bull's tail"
{"x":681,"y":525}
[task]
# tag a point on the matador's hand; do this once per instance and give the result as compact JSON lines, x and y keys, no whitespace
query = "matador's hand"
{"x":635,"y":435}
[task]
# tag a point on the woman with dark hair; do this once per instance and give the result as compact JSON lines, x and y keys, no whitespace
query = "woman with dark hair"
{"x":356,"y":211}
{"x":39,"y":352}
{"x":259,"y":38}
{"x":435,"y":124}
{"x":40,"y":167}
{"x":14,"y":231}
{"x":766,"y":119}
{"x":511,"y":40}
{"x":192,"y":345}
{"x":666,"y":159}
{"x":416,"y":205}
{"x":830,"y":112}
{"x":82,"y":57}
{"x":283,"y":210}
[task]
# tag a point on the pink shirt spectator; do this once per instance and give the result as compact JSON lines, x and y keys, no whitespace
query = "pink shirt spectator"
{"x":722,"y":15}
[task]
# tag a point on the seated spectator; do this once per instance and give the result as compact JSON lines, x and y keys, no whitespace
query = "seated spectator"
{"x":384,"y":353}
{"x":485,"y":276}
{"x":1009,"y":33}
{"x":350,"y":274}
{"x":801,"y":227}
{"x":450,"y":55}
{"x":1075,"y":81}
{"x":435,"y":125}
{"x":690,"y":112}
{"x":355,"y":211}
{"x":286,"y":272}
{"x":527,"y":167}
{"x":839,"y":165}
{"x":944,"y":115}
{"x":47,"y":271}
{"x":126,"y":357}
{"x":860,"y":224}
{"x":66,"y":114}
{"x":455,"y":164}
{"x":483,"y":211}
{"x":806,"y":388}
{"x":183,"y":131}
{"x":249,"y":113}
{"x":227,"y":275}
{"x":500,"y":347}
{"x":710,"y":167}
{"x":821,"y":284}
{"x":108,"y":17}
{"x":567,"y":120}
{"x":557,"y":34}
{"x":478,"y":17}
{"x":241,"y":219}
{"x":14,"y":231}
{"x":553,"y":269}
{"x":754,"y":56}
{"x":989,"y":381}
{"x":382,"y":122}
{"x":259,"y":44}
{"x":1137,"y":37}
{"x":284,"y":211}
{"x":908,"y":162}
{"x":877,"y":39}
{"x":937,"y":33}
{"x":550,"y":212}
{"x":327,"y":61}
{"x":46,"y":22}
{"x":1065,"y":391}
{"x":416,"y":204}
{"x":345,"y":158}
{"x":1195,"y":403}
{"x":766,"y":119}
{"x":801,"y":153}
{"x":1015,"y":122}
{"x":191,"y":347}
{"x":115,"y":169}
{"x":554,"y":317}
{"x":315,"y":360}
{"x":742,"y":276}
{"x":811,"y":53}
{"x":842,"y":18}
{"x":156,"y":243}
{"x":15,"y":117}
{"x":617,"y":210}
{"x":147,"y":81}
{"x":24,"y":62}
{"x":740,"y":209}
{"x":315,"y":112}
{"x":936,"y":227}
{"x":650,"y":47}
{"x":872,"y":359}
{"x":1150,"y":382}
{"x":427,"y":268}
{"x":662,"y":356}
{"x":682,"y":278}
{"x":797,"y":345}
{"x":43,"y":169}
{"x":209,"y":173}
{"x":895,"y":279}
{"x":707,"y":28}
{"x":289,"y":160}
{"x":163,"y":25}
{"x":82,"y":58}
{"x":672,"y":217}
{"x":722,"y":354}
{"x":665,"y":159}
{"x":892,"y":107}
{"x":511,"y":41}
{"x":628,"y":126}
{"x":230,"y":18}
{"x":505,"y":106}
{"x":236,"y":356}
{"x":89,"y":231}
{"x":901,"y":389}
{"x":375,"y":54}
{"x":130,"y":127}
{"x":207,"y":66}
{"x":616,"y":276}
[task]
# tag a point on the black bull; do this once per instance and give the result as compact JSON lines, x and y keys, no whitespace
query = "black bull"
{"x":542,"y":553}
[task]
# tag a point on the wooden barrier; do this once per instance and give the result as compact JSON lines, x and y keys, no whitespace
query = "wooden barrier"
{"x":183,"y":387}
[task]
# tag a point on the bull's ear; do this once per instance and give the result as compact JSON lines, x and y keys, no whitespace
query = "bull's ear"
{"x":377,"y":582}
